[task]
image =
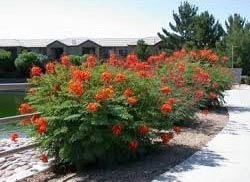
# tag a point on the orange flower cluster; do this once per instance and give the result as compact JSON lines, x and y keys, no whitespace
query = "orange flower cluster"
{"x":65,"y":60}
{"x":35,"y":71}
{"x":120,"y":77}
{"x":105,"y":93}
{"x":132,"y":101}
{"x":131,"y":61}
{"x":200,"y":76}
{"x":157,"y":59}
{"x":106,"y":77}
{"x":13,"y":137}
{"x":75,"y":87}
{"x":166,"y":137}
{"x":81,"y":75}
{"x":204,"y":54}
{"x":143,"y":69}
{"x":91,"y":62}
{"x":50,"y":67}
{"x":44,"y":158}
{"x":165,"y":90}
{"x":215,"y":85}
{"x":25,"y":108}
{"x":128,"y":93}
{"x":40,"y":125}
{"x":114,"y":61}
{"x":133,"y":145}
{"x":198,"y":95}
{"x":176,"y":76}
{"x":170,"y":101}
{"x":166,"y":108}
{"x":180,"y":54}
{"x":212,"y":96}
{"x":92,"y":107}
{"x":142,"y":129}
{"x":117,"y":130}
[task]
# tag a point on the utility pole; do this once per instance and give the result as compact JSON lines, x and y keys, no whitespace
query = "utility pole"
{"x":233,"y":55}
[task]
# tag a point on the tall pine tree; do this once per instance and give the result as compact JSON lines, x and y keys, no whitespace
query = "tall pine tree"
{"x":192,"y":30}
{"x":182,"y":29}
{"x":238,"y":38}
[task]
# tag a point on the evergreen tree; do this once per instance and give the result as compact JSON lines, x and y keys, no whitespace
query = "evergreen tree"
{"x":192,"y":30}
{"x":238,"y":38}
{"x":182,"y":29}
{"x":142,"y":50}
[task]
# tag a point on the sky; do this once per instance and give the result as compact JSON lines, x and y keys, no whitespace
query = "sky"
{"x":27,"y":19}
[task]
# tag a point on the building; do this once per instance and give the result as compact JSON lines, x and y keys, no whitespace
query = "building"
{"x":101,"y":47}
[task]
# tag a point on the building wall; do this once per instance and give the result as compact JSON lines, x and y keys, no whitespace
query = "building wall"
{"x":50,"y":48}
{"x":100,"y":52}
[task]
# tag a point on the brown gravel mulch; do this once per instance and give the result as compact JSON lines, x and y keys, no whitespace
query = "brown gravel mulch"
{"x":193,"y":137}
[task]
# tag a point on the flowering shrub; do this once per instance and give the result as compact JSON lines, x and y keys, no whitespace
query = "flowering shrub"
{"x":114,"y":111}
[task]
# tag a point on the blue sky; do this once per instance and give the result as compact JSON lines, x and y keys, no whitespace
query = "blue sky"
{"x":100,"y":18}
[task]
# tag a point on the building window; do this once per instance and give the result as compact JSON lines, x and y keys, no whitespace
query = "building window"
{"x":106,"y":52}
{"x":88,"y":50}
{"x":123,"y":52}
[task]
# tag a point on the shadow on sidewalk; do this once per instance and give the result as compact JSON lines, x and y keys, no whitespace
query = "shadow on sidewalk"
{"x":201,"y":158}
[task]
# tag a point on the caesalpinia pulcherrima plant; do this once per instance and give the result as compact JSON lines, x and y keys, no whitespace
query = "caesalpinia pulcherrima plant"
{"x":120,"y":109}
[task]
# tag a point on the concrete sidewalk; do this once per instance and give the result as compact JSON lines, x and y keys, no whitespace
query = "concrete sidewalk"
{"x":227,"y":157}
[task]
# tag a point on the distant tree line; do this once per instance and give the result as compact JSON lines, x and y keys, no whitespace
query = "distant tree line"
{"x":198,"y":30}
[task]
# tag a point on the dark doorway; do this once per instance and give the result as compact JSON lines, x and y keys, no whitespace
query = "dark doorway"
{"x":88,"y":50}
{"x":57,"y":52}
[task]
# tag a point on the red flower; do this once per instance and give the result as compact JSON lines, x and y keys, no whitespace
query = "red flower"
{"x":166,"y":137}
{"x":215,"y":85}
{"x":75,"y":87}
{"x":117,"y":130}
{"x":132,"y":101}
{"x":212,"y":95}
{"x":81,"y":75}
{"x":25,"y":108}
{"x":34,"y":118}
{"x":120,"y":77}
{"x":35,"y":71}
{"x":166,"y":108}
{"x":41,"y":125}
{"x":13,"y":137}
{"x":165,"y":90}
{"x":200,"y":76}
{"x":177,"y":129}
{"x":65,"y":60}
{"x":91,"y":61}
{"x":128,"y":93}
{"x":50,"y":67}
{"x":198,"y":95}
{"x":105,"y":93}
{"x":106,"y":77}
{"x":42,"y":129}
{"x":44,"y":158}
{"x":133,"y":145}
{"x":92,"y":107}
{"x":170,"y":101}
{"x":142,"y":129}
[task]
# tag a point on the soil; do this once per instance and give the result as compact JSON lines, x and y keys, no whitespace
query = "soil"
{"x":194,"y":136}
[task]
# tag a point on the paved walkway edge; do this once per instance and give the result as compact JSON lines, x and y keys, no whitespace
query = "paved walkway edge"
{"x":226,"y":157}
